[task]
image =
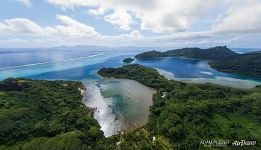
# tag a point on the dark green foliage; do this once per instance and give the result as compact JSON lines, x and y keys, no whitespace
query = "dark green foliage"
{"x":212,"y":53}
{"x":136,"y":140}
{"x":45,"y":115}
{"x":128,"y":60}
{"x":12,"y":84}
{"x":150,"y":55}
{"x":49,"y":115}
{"x":190,"y":113}
{"x":246,"y":64}
{"x":220,"y":58}
{"x":155,"y":80}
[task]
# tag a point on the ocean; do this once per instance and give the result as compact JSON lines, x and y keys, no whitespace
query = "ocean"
{"x":114,"y":101}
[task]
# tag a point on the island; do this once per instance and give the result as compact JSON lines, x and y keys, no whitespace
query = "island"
{"x":213,"y":53}
{"x":185,"y":114}
{"x":128,"y":60}
{"x":220,"y":58}
{"x":39,"y":114}
{"x":150,"y":55}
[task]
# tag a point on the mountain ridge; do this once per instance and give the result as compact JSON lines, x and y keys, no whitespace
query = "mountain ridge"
{"x":217,"y":52}
{"x":219,"y":57}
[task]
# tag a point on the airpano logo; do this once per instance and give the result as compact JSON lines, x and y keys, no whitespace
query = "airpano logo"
{"x":223,"y":143}
{"x":244,"y":142}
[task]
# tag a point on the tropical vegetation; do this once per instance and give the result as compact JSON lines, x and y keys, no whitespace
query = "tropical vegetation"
{"x":220,"y":58}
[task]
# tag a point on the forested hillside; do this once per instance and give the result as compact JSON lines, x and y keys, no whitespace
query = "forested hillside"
{"x":184,"y":114}
{"x":49,"y":115}
{"x":220,"y":58}
{"x":45,"y":115}
{"x":246,"y":64}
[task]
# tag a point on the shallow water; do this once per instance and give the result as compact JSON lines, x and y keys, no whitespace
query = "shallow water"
{"x":120,"y":104}
{"x":197,"y":71}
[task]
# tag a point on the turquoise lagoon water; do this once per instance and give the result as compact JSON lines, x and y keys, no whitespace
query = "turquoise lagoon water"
{"x":119,"y":104}
{"x":197,"y":71}
{"x":80,"y":64}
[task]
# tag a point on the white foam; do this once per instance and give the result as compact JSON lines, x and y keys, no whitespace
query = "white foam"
{"x":165,"y":73}
{"x":206,"y":72}
{"x":226,"y":81}
{"x":103,"y":112}
{"x":136,"y":101}
{"x":49,"y":62}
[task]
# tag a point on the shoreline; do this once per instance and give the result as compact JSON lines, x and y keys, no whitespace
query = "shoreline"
{"x":101,"y":111}
{"x":112,"y":119}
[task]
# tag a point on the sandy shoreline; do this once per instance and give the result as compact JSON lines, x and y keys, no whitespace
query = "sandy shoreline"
{"x":118,"y":104}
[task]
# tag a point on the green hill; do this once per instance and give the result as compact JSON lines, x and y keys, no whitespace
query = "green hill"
{"x":49,"y":115}
{"x":220,"y":58}
{"x":150,"y":55}
{"x":184,"y":114}
{"x":246,"y":64}
{"x":213,"y":53}
{"x":128,"y":60}
{"x":46,"y":115}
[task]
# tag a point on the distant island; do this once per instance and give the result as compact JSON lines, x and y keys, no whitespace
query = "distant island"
{"x":220,"y":58}
{"x":196,"y":53}
{"x":183,"y":114}
{"x":128,"y":60}
{"x":150,"y":55}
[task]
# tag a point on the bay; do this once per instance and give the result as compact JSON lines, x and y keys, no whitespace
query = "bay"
{"x":120,"y":105}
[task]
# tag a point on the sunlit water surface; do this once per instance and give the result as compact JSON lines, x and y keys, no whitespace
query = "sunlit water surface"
{"x":119,"y":104}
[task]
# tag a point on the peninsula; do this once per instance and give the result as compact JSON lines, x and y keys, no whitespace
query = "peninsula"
{"x":185,"y":113}
{"x":220,"y":58}
{"x":39,"y":114}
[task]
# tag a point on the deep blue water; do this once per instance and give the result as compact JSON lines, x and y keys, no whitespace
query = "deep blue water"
{"x":185,"y":68}
{"x":198,"y":71}
{"x":121,"y":96}
{"x":57,"y":64}
{"x":83,"y":65}
{"x":82,"y":72}
{"x":15,"y":57}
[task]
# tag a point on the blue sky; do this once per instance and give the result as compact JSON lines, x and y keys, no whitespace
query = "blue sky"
{"x":163,"y":23}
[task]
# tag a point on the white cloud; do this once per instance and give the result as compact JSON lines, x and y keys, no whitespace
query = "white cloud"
{"x":96,"y":12}
{"x":173,"y":21}
{"x":72,"y":27}
{"x":27,"y":3}
{"x":241,"y":19}
{"x":120,"y":18}
{"x":132,"y":36}
{"x":69,"y":27}
{"x":135,"y":35}
{"x":174,"y":16}
{"x":19,"y":25}
{"x":160,"y":16}
{"x":68,"y":30}
{"x":168,"y":17}
{"x":73,"y":3}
